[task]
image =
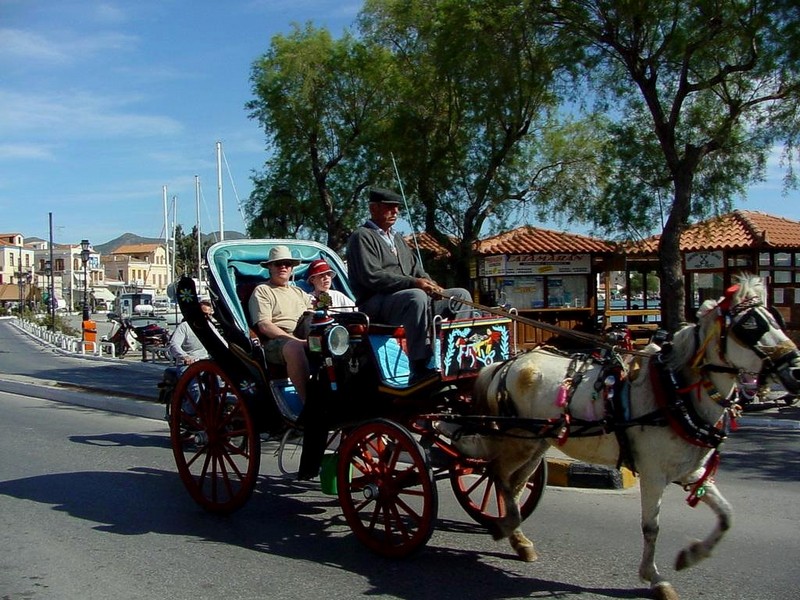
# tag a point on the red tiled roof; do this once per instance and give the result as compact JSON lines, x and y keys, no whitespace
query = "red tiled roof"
{"x":428,"y":243}
{"x":136,"y":248}
{"x":736,"y":230}
{"x":529,"y":239}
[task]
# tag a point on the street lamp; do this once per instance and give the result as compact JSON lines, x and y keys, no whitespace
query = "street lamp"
{"x":48,"y":271}
{"x":85,"y":258}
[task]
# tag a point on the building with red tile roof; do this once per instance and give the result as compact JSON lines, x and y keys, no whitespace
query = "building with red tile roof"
{"x":737,"y":230}
{"x":529,"y":239}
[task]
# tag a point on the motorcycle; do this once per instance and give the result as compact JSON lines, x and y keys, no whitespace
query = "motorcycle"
{"x":151,"y":335}
{"x":125,"y":336}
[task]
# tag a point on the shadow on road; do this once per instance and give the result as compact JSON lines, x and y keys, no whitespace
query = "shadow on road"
{"x":281,"y":519}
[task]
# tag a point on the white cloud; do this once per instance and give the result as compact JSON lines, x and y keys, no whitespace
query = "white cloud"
{"x":108,"y":12}
{"x":26,"y":152}
{"x":63,"y":48}
{"x":17,"y":44}
{"x":78,"y":114}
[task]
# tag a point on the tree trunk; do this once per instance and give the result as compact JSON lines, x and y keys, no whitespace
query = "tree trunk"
{"x":673,"y":285}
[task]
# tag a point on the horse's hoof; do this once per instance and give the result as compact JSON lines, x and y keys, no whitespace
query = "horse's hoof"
{"x":681,"y":562}
{"x":691,"y":556}
{"x":523,"y":547}
{"x":664,"y":591}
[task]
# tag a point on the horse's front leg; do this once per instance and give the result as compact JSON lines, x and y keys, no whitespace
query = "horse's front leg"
{"x":697,"y":551}
{"x":652,"y":490}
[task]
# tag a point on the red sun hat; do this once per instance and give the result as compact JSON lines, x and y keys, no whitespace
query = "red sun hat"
{"x":318,"y":267}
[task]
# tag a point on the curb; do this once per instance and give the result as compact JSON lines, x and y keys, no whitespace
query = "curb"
{"x":571,"y":473}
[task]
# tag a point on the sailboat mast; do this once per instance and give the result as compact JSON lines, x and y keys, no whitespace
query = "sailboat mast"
{"x":219,"y":192}
{"x":199,"y":240}
{"x":174,"y":241}
{"x":166,"y":237}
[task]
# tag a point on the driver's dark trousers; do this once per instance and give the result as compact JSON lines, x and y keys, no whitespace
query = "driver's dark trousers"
{"x":410,"y":308}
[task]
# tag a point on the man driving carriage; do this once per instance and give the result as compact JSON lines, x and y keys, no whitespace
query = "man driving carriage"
{"x":390,"y":283}
{"x":275,"y":308}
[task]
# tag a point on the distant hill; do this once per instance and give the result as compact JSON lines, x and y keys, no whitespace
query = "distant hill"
{"x":132,"y":238}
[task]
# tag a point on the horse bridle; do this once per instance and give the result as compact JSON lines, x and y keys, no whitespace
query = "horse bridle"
{"x":749,"y":325}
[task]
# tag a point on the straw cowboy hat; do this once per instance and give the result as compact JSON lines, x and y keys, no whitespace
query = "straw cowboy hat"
{"x":280,"y":254}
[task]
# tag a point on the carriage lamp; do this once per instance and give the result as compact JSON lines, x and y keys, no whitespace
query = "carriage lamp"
{"x":338,"y":340}
{"x":85,"y":259}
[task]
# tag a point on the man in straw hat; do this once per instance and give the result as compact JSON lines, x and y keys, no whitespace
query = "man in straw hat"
{"x":275,"y":308}
{"x":391,"y":285}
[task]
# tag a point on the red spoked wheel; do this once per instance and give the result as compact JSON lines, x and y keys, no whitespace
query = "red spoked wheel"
{"x":386,"y":488}
{"x":217,"y":449}
{"x":476,"y":491}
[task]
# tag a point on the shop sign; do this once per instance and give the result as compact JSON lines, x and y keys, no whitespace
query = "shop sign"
{"x":493,"y":266}
{"x":548,"y":264}
{"x":704,"y":260}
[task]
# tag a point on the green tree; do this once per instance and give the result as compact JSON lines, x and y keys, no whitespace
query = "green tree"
{"x":186,"y":251}
{"x":320,"y":102}
{"x":473,"y":101}
{"x":698,"y":93}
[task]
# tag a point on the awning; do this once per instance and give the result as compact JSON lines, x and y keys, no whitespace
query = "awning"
{"x":103,"y":294}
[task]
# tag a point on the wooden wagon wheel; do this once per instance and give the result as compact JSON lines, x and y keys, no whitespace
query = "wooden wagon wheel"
{"x":386,"y":488}
{"x":476,"y":491}
{"x":216,"y":446}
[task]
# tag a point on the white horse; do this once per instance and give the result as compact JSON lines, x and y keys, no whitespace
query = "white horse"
{"x":674,"y":407}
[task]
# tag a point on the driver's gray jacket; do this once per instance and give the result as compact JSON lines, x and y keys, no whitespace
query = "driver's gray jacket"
{"x":373,"y":267}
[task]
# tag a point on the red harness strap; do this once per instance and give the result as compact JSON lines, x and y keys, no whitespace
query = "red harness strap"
{"x":698,"y":489}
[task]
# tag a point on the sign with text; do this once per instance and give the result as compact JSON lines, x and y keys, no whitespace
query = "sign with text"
{"x":703,"y":260}
{"x":548,"y":264}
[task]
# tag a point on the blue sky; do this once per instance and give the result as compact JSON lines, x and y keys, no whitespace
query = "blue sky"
{"x":103,"y":103}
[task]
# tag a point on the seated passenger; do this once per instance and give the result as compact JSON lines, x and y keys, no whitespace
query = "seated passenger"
{"x":320,"y":275}
{"x":391,"y":285}
{"x":184,"y":347}
{"x":275,"y":309}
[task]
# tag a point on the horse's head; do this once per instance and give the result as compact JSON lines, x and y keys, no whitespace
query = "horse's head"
{"x":751,"y":338}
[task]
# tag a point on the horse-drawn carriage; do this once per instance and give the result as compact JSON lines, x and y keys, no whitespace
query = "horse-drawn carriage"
{"x":485,"y":423}
{"x":387,"y":459}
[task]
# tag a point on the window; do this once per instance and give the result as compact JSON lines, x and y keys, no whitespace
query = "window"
{"x":705,"y":286}
{"x":543,"y":291}
{"x":740,"y":260}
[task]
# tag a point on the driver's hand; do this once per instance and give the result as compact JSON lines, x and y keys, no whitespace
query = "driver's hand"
{"x":429,"y":287}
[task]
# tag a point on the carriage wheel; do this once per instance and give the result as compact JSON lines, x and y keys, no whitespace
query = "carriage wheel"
{"x":476,"y":491}
{"x":386,"y":488}
{"x":217,"y":449}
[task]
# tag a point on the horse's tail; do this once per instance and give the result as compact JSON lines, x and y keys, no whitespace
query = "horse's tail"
{"x":482,"y":403}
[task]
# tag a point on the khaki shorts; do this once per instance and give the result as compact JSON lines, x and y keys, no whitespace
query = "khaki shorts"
{"x":273,"y":350}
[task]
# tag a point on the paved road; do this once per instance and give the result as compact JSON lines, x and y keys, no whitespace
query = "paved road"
{"x":26,"y":359}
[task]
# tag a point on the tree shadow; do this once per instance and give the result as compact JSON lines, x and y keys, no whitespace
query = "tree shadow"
{"x":133,"y":440}
{"x":288,"y":519}
{"x":763,"y":453}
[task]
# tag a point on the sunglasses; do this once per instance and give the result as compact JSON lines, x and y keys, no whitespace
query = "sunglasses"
{"x":283,"y":263}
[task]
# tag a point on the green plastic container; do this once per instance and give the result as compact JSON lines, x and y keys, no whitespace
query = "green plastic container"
{"x":327,"y":476}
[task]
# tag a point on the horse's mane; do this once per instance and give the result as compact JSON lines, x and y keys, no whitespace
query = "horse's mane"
{"x":746,"y":286}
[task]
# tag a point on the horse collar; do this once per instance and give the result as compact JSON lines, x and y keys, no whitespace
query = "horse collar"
{"x":675,"y":401}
